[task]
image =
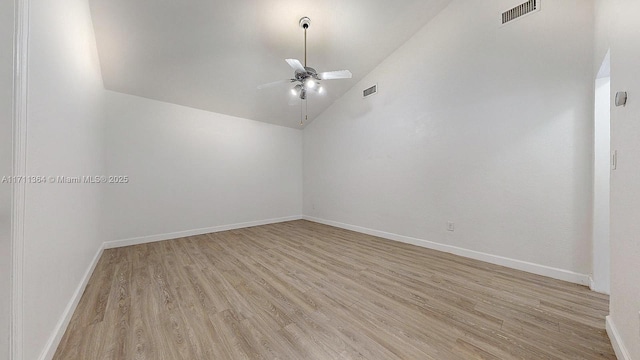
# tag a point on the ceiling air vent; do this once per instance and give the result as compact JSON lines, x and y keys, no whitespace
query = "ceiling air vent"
{"x":520,"y":10}
{"x":370,"y":91}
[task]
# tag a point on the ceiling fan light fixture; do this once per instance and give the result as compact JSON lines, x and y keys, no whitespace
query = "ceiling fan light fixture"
{"x":311,"y":84}
{"x":297,"y":90}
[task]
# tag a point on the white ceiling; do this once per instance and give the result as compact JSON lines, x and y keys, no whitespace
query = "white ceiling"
{"x":213,"y":54}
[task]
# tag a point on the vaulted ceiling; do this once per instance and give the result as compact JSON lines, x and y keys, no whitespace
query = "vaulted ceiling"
{"x":213,"y":54}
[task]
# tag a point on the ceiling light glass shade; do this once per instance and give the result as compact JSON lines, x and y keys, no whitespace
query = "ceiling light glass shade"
{"x":311,"y":84}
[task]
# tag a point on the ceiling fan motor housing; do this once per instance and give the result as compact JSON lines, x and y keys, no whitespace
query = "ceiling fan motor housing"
{"x":310,"y":73}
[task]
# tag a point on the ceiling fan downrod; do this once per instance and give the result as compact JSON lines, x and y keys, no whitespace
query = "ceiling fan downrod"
{"x":305,"y":22}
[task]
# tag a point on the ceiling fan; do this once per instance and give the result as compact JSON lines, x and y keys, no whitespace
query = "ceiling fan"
{"x":307,"y":78}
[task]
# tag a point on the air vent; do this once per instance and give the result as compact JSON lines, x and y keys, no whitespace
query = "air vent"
{"x":370,"y":91}
{"x":520,"y":10}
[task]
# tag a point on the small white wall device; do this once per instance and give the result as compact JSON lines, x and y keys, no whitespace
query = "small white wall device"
{"x":621,"y":98}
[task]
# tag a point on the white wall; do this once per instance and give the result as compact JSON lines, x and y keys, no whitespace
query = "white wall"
{"x":6,"y":94}
{"x":191,"y":169}
{"x":64,"y":130}
{"x":486,"y":126}
{"x":624,"y":37}
{"x":601,"y":186}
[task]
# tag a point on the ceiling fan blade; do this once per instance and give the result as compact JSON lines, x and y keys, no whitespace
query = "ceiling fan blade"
{"x":335,"y":75}
{"x":296,"y":65}
{"x":275,"y":83}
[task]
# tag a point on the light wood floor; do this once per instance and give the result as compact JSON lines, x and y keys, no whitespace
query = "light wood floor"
{"x":301,"y":290}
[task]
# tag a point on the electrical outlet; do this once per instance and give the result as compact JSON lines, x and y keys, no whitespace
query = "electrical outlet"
{"x":450,"y":226}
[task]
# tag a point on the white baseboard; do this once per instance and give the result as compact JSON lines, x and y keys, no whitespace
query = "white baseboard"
{"x":616,"y":341}
{"x":52,"y":345}
{"x":179,"y":234}
{"x":538,"y":269}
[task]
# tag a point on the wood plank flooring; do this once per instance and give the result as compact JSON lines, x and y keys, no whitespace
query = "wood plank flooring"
{"x":301,"y":290}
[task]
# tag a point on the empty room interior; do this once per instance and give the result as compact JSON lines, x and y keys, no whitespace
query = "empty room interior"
{"x":366,"y":179}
